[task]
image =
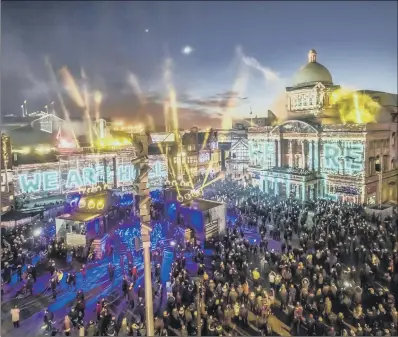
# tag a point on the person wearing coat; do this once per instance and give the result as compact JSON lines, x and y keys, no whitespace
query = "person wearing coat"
{"x":15,"y":316}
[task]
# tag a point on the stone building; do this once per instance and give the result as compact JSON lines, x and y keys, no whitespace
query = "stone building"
{"x":313,"y":154}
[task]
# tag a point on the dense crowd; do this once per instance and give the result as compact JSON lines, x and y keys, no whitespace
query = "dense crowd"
{"x":326,"y":271}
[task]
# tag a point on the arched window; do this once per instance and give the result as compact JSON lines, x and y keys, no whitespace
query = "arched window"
{"x":393,"y":164}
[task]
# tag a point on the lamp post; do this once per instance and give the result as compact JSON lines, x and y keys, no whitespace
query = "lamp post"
{"x":142,"y":167}
{"x":379,"y":171}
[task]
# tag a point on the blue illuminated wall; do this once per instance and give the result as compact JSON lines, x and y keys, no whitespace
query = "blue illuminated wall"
{"x":343,"y":157}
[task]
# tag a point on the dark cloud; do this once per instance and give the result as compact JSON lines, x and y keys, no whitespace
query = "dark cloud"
{"x":221,"y":100}
{"x":152,"y":113}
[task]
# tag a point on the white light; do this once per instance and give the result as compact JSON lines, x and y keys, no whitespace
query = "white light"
{"x":347,"y":284}
{"x":37,"y":232}
{"x":187,"y":50}
{"x":146,"y":30}
{"x":172,"y":243}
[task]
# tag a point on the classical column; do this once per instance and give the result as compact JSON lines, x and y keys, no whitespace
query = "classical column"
{"x":279,"y":153}
{"x":290,"y":153}
{"x":276,"y":153}
{"x":145,"y":217}
{"x":312,"y":155}
{"x":303,"y":163}
{"x":276,"y":187}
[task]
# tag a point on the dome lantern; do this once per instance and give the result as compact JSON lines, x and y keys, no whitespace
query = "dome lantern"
{"x":312,"y":73}
{"x":312,"y":56}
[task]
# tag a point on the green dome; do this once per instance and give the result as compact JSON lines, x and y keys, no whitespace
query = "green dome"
{"x":312,"y":73}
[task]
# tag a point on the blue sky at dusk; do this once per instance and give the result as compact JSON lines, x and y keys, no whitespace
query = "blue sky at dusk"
{"x":132,"y":52}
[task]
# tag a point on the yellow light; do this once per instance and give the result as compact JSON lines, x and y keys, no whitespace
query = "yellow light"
{"x":180,"y":198}
{"x":82,"y":203}
{"x":100,"y":205}
{"x":354,"y":107}
{"x":24,"y":150}
{"x":91,"y":204}
{"x":43,"y":149}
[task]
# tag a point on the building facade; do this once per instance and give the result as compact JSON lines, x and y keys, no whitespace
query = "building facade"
{"x":314,"y":155}
{"x":237,"y":162}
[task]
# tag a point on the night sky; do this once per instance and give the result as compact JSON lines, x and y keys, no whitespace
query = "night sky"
{"x":132,"y":52}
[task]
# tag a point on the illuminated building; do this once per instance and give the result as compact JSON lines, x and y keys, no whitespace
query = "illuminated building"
{"x":199,"y":153}
{"x":7,"y":187}
{"x":328,"y":146}
{"x":237,"y":162}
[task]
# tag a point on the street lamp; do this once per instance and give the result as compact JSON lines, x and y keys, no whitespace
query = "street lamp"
{"x":379,"y":172}
{"x":141,"y":164}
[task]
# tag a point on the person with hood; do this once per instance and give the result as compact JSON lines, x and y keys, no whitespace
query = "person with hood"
{"x":91,"y":329}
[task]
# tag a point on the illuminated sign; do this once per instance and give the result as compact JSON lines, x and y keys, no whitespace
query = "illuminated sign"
{"x":344,"y":158}
{"x":83,"y":173}
{"x":159,"y":171}
{"x":50,"y":180}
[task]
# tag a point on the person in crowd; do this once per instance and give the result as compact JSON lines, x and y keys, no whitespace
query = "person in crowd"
{"x":15,"y":316}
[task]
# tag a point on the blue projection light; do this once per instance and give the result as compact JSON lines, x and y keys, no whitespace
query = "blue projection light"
{"x":347,"y":158}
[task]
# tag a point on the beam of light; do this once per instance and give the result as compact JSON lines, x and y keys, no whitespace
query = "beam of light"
{"x":172,"y":96}
{"x":239,"y":86}
{"x":207,"y":135}
{"x":61,"y":100}
{"x":134,"y":84}
{"x":166,"y":111}
{"x":98,"y":101}
{"x":71,"y":87}
{"x":87,"y":107}
{"x":209,"y":167}
{"x":353,"y":107}
{"x":357,"y":112}
{"x":189,"y":175}
{"x":212,"y":182}
{"x":173,"y":173}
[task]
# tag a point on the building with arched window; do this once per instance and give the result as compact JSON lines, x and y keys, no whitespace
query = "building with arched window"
{"x":315,"y":153}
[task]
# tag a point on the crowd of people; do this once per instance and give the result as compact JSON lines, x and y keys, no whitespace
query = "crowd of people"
{"x":325,"y":270}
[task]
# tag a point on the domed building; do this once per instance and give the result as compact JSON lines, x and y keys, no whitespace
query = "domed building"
{"x":309,"y":95}
{"x":313,"y":154}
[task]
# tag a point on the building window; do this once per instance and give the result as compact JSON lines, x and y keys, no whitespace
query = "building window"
{"x":3,"y":188}
{"x":371,"y":168}
{"x":310,"y":101}
{"x":393,"y":138}
{"x":305,"y":101}
{"x":385,"y":163}
{"x":393,"y":164}
{"x":300,"y":101}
